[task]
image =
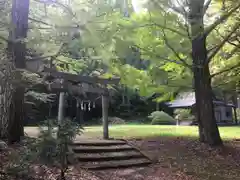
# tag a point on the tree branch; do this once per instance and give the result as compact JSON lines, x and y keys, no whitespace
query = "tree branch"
{"x":180,"y":9}
{"x":160,"y":26}
{"x":233,"y":44}
{"x":39,"y":21}
{"x":224,"y":83}
{"x":54,"y":56}
{"x":182,"y":62}
{"x":224,"y":5}
{"x":229,"y":41}
{"x":149,"y":52}
{"x":164,"y":26}
{"x":170,"y":29}
{"x":220,"y":20}
{"x":235,"y":50}
{"x":184,"y":14}
{"x":56,"y":26}
{"x":66,"y":8}
{"x":226,"y":70}
{"x":212,"y":48}
{"x":174,"y":51}
{"x":215,"y":51}
{"x":185,"y":27}
{"x":206,"y":6}
{"x":175,"y":86}
{"x":4,"y":39}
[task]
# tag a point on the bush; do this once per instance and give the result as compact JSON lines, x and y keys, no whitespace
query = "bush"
{"x":183,"y":115}
{"x":160,"y":117}
{"x":50,"y":148}
{"x":116,"y":120}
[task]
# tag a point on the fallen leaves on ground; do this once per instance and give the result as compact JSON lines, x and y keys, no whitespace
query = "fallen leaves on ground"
{"x":175,"y":159}
{"x":194,"y":158}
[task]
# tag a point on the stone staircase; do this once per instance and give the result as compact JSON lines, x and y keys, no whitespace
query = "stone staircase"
{"x":107,"y":154}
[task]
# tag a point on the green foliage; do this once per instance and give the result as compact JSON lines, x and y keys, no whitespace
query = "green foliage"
{"x":43,"y":97}
{"x":51,"y":139}
{"x":144,"y":49}
{"x":160,"y":117}
{"x":50,"y":148}
{"x":138,"y":50}
{"x":67,"y":131}
{"x":22,"y":159}
{"x":47,"y":143}
{"x":183,"y":114}
{"x":227,"y":59}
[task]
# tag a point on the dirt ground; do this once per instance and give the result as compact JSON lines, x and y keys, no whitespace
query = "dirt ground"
{"x":174,"y":159}
{"x":183,"y":159}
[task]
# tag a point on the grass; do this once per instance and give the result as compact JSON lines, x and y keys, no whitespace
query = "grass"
{"x":143,"y":131}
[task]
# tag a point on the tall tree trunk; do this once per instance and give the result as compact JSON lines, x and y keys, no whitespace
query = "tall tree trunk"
{"x":15,"y":126}
{"x":5,"y":95}
{"x":17,"y":50}
{"x":208,"y":129}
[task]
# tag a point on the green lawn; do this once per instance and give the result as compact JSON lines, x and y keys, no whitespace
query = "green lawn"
{"x":141,"y":131}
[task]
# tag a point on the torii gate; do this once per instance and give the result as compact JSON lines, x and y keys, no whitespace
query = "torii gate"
{"x":70,"y":82}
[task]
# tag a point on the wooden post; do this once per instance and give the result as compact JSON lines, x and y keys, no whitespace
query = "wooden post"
{"x":235,"y":115}
{"x":105,"y":104}
{"x":77,"y":110}
{"x":63,"y":145}
{"x":61,"y":108}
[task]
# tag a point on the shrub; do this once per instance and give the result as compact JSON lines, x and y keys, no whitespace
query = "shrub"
{"x":50,"y":148}
{"x":3,"y":145}
{"x":160,"y":117}
{"x":116,"y":120}
{"x":183,"y":115}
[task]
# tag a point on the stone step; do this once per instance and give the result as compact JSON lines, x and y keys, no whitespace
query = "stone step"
{"x":101,"y":149}
{"x":98,"y":143}
{"x":108,"y":156}
{"x":117,"y":164}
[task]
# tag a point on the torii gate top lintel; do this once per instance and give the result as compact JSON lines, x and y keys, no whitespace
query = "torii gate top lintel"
{"x":80,"y":78}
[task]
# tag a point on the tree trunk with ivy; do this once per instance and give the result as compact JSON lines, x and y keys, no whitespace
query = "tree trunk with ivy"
{"x":17,"y":52}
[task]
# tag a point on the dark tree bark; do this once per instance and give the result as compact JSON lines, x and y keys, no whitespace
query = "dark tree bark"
{"x":208,"y":130}
{"x":5,"y":96}
{"x":17,"y":51}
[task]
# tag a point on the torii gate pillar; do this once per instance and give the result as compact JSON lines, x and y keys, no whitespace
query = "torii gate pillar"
{"x":105,"y":106}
